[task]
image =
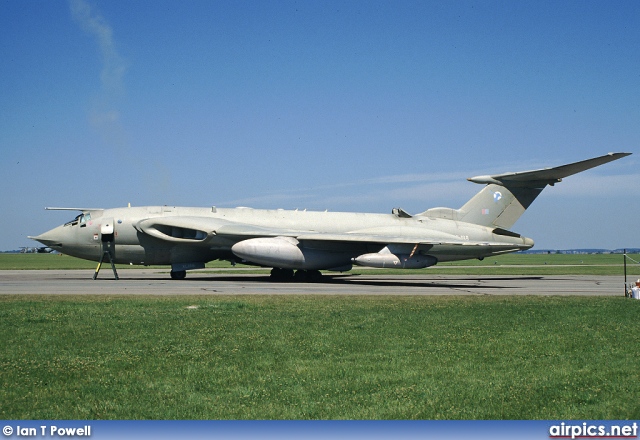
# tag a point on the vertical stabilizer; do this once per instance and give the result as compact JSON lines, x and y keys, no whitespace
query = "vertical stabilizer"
{"x":497,"y":206}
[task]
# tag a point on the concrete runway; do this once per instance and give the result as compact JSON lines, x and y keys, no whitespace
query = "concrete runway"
{"x":157,"y":282}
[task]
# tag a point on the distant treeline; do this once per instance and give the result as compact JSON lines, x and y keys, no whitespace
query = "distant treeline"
{"x":582,"y":251}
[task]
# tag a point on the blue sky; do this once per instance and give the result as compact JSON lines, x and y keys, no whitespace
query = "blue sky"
{"x":346,"y":106}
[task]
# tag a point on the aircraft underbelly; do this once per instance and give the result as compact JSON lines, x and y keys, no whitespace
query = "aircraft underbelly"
{"x":89,"y":252}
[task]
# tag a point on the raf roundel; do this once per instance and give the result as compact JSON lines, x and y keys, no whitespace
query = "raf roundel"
{"x":497,"y":196}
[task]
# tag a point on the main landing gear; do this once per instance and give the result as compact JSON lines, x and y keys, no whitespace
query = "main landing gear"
{"x":300,"y":276}
{"x":178,"y":274}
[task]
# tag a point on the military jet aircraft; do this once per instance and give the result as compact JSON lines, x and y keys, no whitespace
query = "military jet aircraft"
{"x":298,"y":244}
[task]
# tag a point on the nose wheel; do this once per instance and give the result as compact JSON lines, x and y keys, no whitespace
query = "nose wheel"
{"x":106,"y":252}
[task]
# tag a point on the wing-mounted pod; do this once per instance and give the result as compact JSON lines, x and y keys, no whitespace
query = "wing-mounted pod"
{"x":397,"y":257}
{"x":286,"y":253}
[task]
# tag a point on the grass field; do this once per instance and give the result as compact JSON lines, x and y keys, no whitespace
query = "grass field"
{"x":316,"y":357}
{"x":511,"y":264}
{"x":103,"y":357}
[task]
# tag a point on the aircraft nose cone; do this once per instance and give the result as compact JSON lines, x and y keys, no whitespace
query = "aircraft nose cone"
{"x":52,"y":238}
{"x":528,"y":242}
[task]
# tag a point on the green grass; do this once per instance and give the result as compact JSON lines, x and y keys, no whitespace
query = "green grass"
{"x":510,"y":264}
{"x":316,"y":357}
{"x":66,"y":262}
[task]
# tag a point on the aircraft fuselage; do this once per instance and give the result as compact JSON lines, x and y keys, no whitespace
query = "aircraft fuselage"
{"x":148,"y":235}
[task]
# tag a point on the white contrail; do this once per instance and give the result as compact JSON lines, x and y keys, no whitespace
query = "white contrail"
{"x":91,"y":22}
{"x":104,"y":116}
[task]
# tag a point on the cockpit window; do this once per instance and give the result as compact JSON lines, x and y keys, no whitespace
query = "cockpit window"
{"x":81,"y":218}
{"x":84,"y":218}
{"x":74,"y":221}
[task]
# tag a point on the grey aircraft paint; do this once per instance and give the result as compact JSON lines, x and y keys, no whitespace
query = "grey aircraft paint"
{"x":308,"y":241}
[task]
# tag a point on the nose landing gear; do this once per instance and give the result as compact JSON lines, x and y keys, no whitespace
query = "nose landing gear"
{"x":106,"y":251}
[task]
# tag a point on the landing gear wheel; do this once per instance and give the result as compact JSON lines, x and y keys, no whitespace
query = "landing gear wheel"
{"x":307,"y":276}
{"x":281,"y":275}
{"x":300,"y":276}
{"x":178,"y":274}
{"x":314,"y":276}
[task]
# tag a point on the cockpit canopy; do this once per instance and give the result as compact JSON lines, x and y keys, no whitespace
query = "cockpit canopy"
{"x":81,"y":219}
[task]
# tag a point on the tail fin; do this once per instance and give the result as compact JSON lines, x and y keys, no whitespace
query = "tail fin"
{"x":507,"y":196}
{"x":498,"y":206}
